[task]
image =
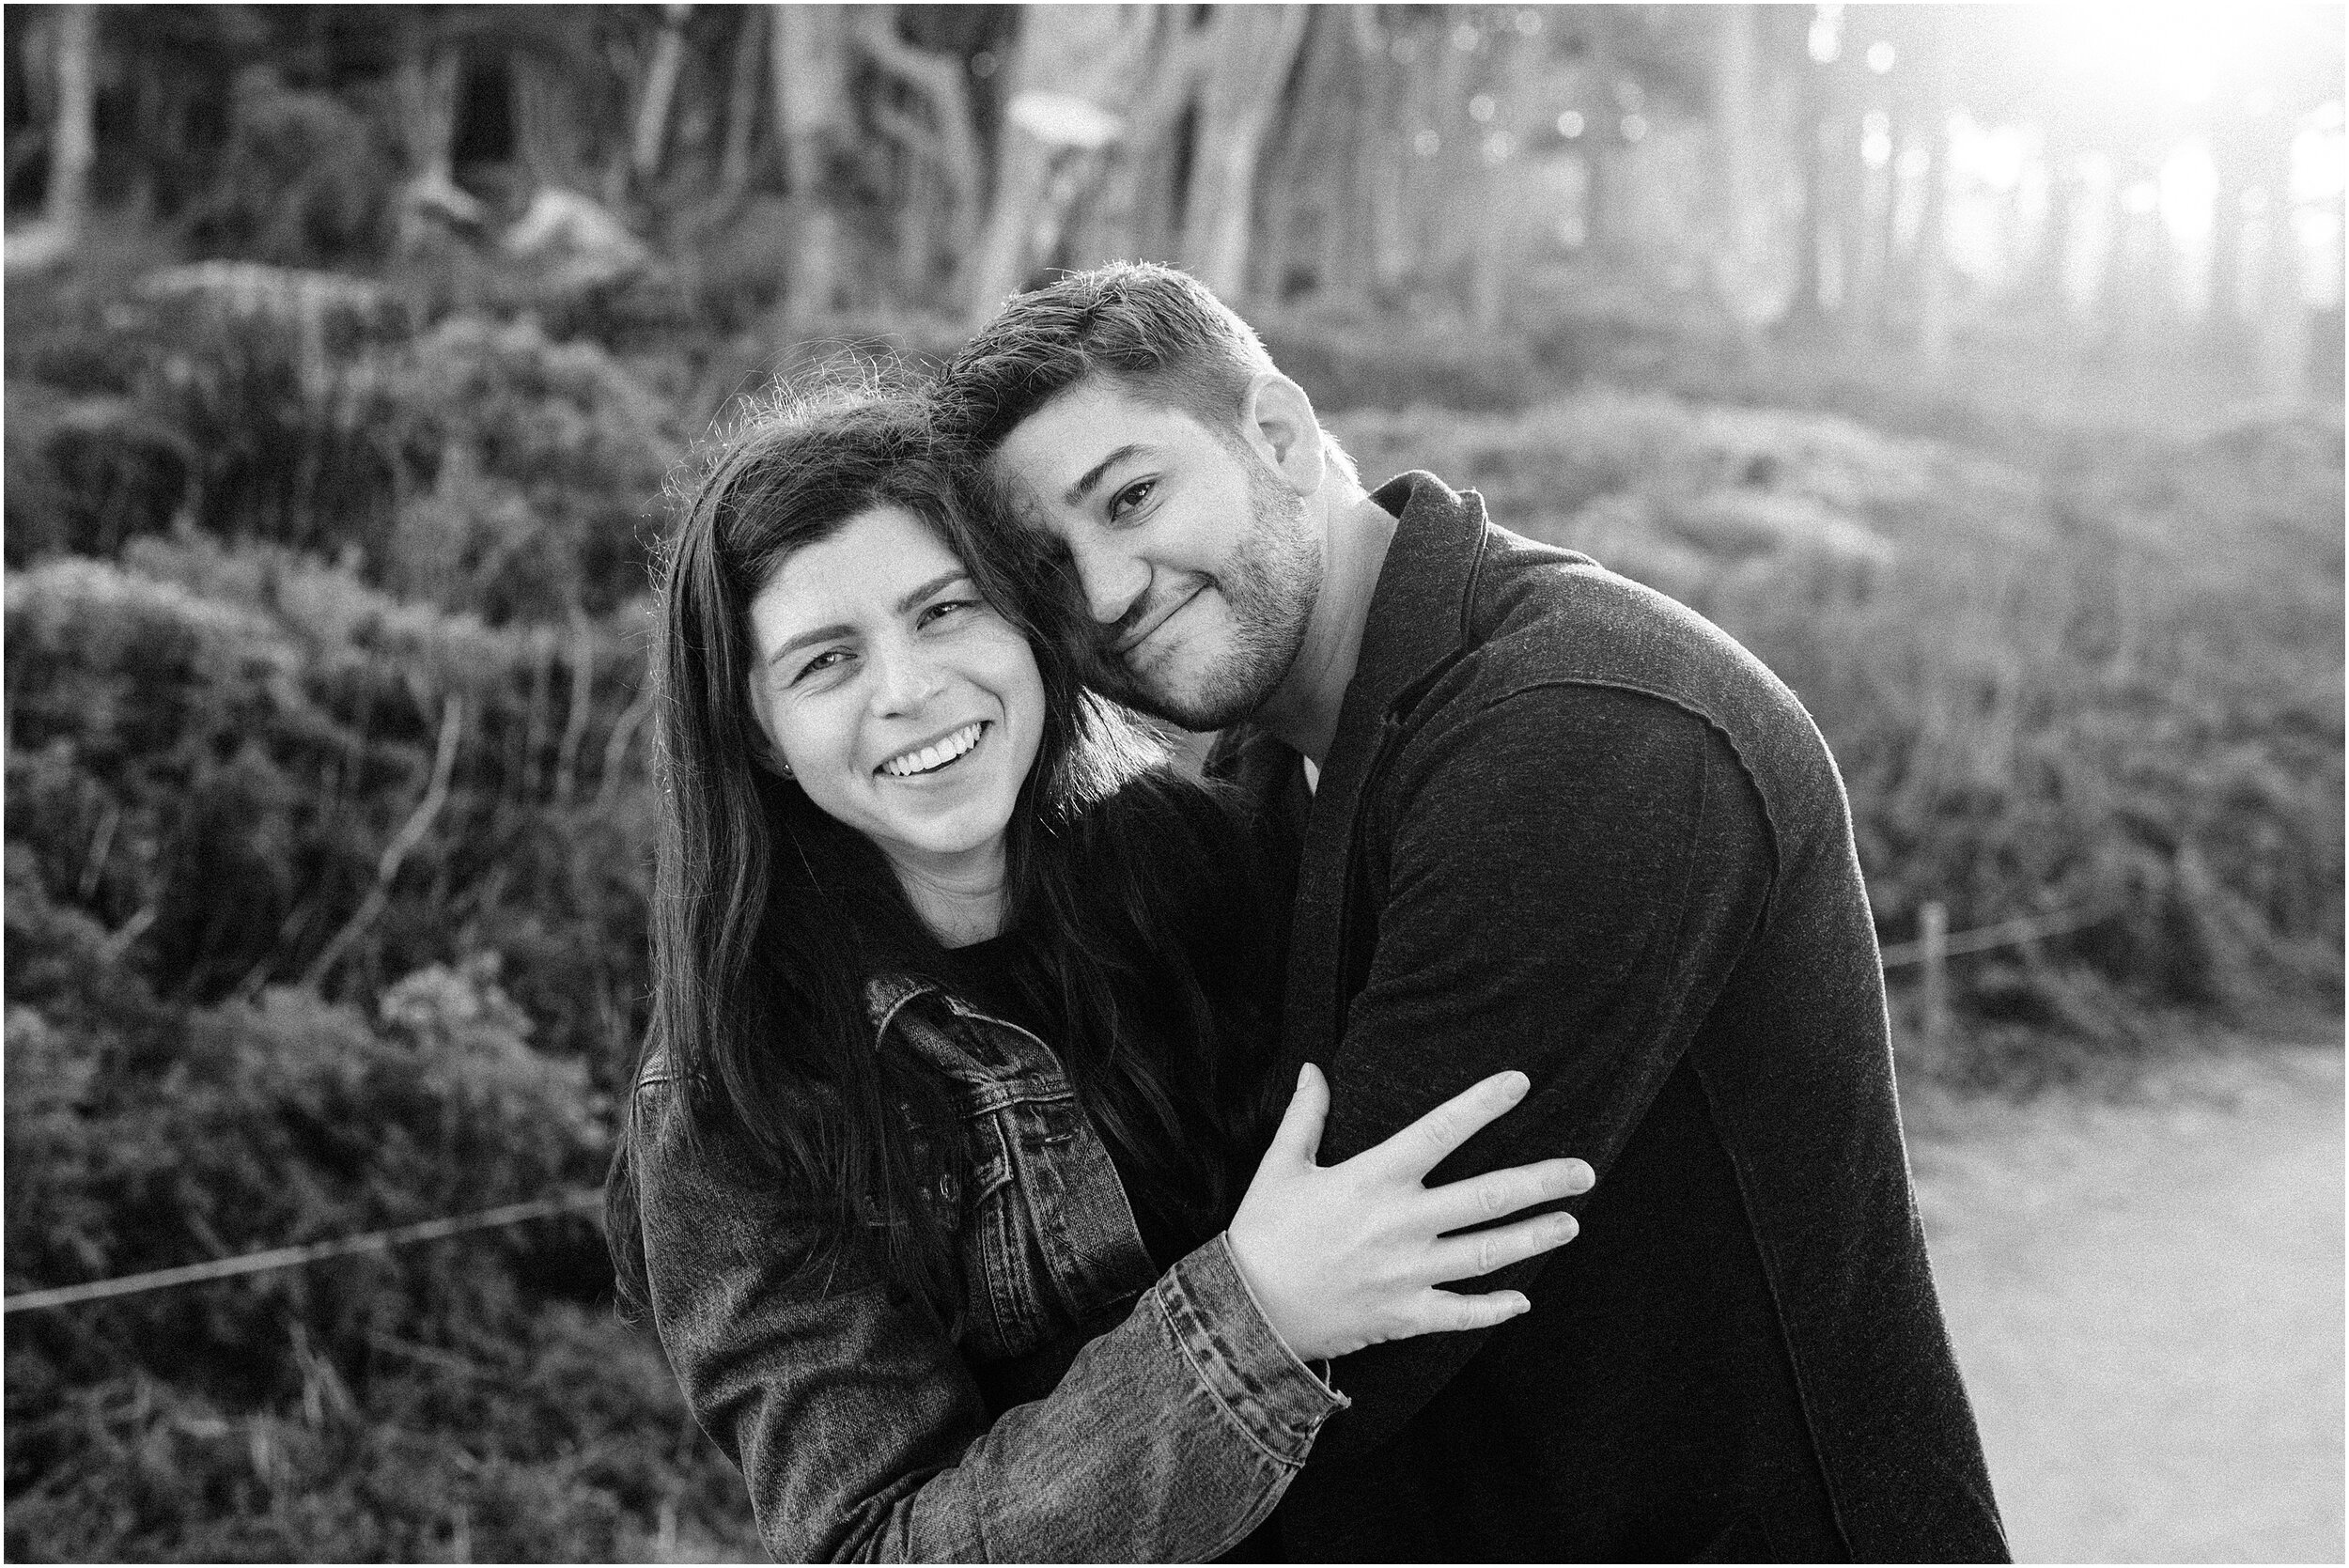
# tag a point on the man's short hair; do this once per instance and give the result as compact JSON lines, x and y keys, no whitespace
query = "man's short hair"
{"x":1156,"y":332}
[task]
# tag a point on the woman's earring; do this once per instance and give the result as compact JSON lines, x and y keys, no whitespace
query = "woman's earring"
{"x":786,"y":770}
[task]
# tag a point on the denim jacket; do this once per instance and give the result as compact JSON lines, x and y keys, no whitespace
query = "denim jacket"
{"x":865,"y":1432}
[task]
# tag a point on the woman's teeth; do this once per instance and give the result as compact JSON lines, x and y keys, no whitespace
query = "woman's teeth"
{"x":935,"y":755}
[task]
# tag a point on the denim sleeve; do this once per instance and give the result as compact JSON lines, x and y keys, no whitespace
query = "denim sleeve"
{"x":1571,"y":873}
{"x":861,"y":1431}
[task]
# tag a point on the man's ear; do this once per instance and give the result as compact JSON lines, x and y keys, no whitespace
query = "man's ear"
{"x":1278,"y":419}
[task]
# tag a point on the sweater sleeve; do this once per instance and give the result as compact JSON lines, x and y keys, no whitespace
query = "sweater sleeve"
{"x":1569,"y":874}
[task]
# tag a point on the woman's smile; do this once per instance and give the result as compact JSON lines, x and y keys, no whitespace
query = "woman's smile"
{"x":895,"y":696}
{"x":928,"y":761}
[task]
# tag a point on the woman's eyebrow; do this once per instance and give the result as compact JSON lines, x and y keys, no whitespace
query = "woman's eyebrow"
{"x":821,"y":634}
{"x":905,"y":605}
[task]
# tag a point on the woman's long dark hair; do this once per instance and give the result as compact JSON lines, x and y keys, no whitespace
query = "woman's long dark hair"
{"x":770,"y":916}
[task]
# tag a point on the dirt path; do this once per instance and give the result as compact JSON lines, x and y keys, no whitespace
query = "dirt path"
{"x":2146,"y":1298}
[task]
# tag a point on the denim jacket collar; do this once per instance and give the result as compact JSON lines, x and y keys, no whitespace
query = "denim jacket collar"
{"x":884,"y":994}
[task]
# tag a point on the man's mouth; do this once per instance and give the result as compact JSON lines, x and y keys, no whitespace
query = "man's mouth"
{"x":944,"y":751}
{"x":1131,"y":643}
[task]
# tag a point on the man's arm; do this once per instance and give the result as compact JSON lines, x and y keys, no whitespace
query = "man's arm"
{"x":1571,"y":874}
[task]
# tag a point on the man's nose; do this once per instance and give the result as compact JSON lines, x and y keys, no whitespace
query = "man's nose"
{"x":1115,"y":581}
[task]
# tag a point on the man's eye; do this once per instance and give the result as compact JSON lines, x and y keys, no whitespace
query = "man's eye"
{"x":1131,"y":497}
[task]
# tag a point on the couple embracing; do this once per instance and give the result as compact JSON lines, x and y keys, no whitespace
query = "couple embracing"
{"x":1040,"y":1154}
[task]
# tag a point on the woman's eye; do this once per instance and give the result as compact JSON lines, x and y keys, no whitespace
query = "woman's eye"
{"x":829,"y":658}
{"x":1131,"y":497}
{"x":945,"y":608}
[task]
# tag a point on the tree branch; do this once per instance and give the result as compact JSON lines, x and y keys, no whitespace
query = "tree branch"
{"x":410,"y":834}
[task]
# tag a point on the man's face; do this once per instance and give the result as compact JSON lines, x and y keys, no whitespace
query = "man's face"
{"x":1197,"y":559}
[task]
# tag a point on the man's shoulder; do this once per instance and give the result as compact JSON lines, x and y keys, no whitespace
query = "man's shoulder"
{"x":1553,"y":640}
{"x":1540,"y":614}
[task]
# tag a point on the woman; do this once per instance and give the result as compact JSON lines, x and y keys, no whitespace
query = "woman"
{"x":956,"y":1007}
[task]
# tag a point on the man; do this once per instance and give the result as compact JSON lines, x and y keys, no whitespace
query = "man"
{"x":1541,"y":817}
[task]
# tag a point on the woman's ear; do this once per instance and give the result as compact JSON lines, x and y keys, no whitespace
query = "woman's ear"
{"x":765,"y":753}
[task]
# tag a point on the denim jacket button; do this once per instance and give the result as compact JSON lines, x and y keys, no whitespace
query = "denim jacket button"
{"x":948,"y":1188}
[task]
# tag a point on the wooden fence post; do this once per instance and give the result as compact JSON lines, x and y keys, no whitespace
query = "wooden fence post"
{"x":1933,"y":931}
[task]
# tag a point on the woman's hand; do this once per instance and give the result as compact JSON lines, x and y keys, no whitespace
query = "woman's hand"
{"x":1347,"y":1255}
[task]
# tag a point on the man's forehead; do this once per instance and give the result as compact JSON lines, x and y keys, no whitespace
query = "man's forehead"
{"x":1077,"y":428}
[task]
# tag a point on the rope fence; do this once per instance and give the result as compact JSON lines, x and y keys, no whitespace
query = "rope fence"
{"x":2006,"y":933}
{"x":290,"y":1257}
{"x":1934,"y":947}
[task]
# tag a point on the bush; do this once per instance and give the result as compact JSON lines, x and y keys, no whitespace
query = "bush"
{"x":457,"y":1394}
{"x":537,"y":469}
{"x":2046,"y":690}
{"x":213,"y":748}
{"x":306,"y":180}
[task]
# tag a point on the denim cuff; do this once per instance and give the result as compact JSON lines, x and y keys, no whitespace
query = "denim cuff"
{"x":1241,"y":1357}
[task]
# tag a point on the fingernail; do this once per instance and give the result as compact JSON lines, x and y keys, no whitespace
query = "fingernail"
{"x":1524,"y":1306}
{"x":1303,"y":1073}
{"x":1515,"y":1084}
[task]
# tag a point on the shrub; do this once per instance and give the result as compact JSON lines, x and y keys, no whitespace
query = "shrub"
{"x":212,"y":750}
{"x":2046,"y":690}
{"x":536,"y":468}
{"x":304,"y":180}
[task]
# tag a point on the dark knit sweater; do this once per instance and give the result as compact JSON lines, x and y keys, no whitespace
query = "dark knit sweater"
{"x":1567,"y":826}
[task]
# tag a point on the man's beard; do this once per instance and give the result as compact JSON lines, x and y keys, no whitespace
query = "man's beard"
{"x":1269,"y":583}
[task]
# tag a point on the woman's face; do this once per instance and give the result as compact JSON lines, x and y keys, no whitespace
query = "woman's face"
{"x":902,"y":703}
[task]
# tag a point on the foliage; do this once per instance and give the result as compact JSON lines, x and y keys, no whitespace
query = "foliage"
{"x":306,"y":179}
{"x":338,"y":1410}
{"x":481,"y":465}
{"x":327,"y":527}
{"x":538,"y":463}
{"x":2048,"y":690}
{"x":212,"y":749}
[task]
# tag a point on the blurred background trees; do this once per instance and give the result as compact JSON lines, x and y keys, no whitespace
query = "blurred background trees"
{"x":1979,"y":367}
{"x":1888,"y":174}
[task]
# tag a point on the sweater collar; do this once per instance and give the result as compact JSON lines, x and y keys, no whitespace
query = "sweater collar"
{"x":1418,"y":612}
{"x":1417,"y":624}
{"x":1417,"y":619}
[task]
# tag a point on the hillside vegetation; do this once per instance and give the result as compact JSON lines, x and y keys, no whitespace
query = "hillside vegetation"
{"x":327,"y":828}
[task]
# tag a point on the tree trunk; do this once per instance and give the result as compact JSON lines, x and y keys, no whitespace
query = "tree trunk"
{"x":1932,"y":268}
{"x":550,"y":133}
{"x":811,"y":79}
{"x":2046,"y":280}
{"x":733,"y":157}
{"x":652,"y":111}
{"x":73,"y":145}
{"x":1136,"y":202}
{"x":1074,"y":68}
{"x":1741,"y":139}
{"x":949,"y":144}
{"x":2281,"y":321}
{"x":1307,"y":192}
{"x":1248,"y":68}
{"x":1828,"y":246}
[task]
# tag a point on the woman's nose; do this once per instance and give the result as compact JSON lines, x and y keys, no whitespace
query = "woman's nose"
{"x":906,"y":678}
